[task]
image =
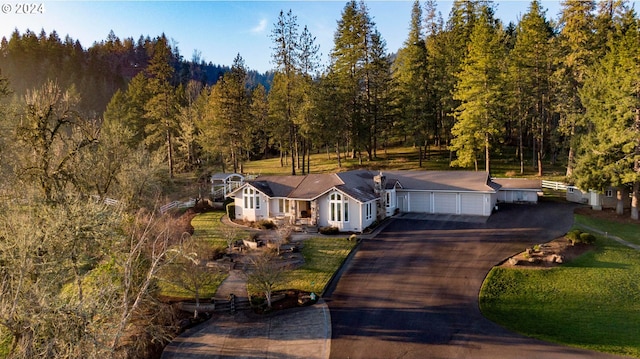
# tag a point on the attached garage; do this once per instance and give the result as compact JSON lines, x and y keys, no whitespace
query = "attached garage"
{"x":446,"y":203}
{"x":419,"y":202}
{"x":472,"y":204}
{"x":445,"y":192}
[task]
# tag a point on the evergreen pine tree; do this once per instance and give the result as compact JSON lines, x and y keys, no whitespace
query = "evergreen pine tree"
{"x":478,"y":90}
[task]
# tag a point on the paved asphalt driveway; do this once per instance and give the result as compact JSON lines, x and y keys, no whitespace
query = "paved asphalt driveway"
{"x":412,"y":292}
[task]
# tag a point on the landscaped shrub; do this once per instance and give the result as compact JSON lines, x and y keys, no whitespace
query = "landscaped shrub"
{"x":217,"y":253}
{"x":265,"y":224}
{"x":587,"y":238}
{"x":577,"y":236}
{"x":231,"y":210}
{"x":329,"y":230}
{"x":574,"y":236}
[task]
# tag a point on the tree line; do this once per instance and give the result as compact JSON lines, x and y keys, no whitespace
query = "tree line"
{"x":470,"y":85}
{"x":30,"y":59}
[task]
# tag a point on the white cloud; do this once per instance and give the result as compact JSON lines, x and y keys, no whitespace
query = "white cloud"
{"x":261,"y":27}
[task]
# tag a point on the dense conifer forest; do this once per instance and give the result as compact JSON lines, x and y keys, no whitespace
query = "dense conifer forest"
{"x":123,"y":118}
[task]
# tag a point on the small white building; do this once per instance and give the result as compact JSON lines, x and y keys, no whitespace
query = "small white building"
{"x":518,"y":190}
{"x":610,"y":198}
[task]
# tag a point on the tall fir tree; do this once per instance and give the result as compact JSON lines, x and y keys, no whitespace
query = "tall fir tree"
{"x":575,"y":53}
{"x":225,"y":125}
{"x":412,"y":83}
{"x":610,"y":153}
{"x":296,"y":57}
{"x":531,"y":63}
{"x":357,"y":45}
{"x":161,"y":110}
{"x":479,"y":89}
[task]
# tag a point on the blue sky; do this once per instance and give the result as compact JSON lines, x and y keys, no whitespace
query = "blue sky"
{"x":220,"y":29}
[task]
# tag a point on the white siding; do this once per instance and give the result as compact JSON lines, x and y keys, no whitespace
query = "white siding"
{"x":446,"y":203}
{"x":403,"y":201}
{"x":472,"y":203}
{"x":514,"y":196}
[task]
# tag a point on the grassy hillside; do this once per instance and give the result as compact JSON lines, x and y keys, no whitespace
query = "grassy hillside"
{"x":504,"y":163}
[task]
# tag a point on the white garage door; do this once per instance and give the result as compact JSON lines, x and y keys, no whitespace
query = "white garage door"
{"x":472,"y":203}
{"x":420,"y":202}
{"x":445,"y":203}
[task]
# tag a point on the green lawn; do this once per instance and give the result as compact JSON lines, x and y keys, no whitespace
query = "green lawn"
{"x":207,"y":227}
{"x":592,"y":302}
{"x":323,"y":256}
{"x":628,"y":231}
{"x":504,"y":163}
{"x":168,"y":289}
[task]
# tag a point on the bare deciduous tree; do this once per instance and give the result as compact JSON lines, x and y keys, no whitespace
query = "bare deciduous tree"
{"x":266,"y":275}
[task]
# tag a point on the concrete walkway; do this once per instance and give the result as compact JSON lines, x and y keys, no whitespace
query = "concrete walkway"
{"x":235,"y":283}
{"x":297,"y":333}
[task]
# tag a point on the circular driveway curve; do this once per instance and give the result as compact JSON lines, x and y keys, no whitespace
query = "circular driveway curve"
{"x":412,"y":291}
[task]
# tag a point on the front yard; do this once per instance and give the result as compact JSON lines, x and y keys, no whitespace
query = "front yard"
{"x":323,"y":256}
{"x":592,"y":302}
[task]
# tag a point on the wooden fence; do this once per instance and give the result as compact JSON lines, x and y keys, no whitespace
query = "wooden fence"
{"x":558,"y":186}
{"x":177,"y":204}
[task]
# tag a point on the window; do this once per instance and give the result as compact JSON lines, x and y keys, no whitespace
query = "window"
{"x":570,"y":189}
{"x":339,"y":208}
{"x":251,"y":198}
{"x":283,"y":205}
{"x":388,"y":199}
{"x":346,"y":211}
{"x":608,"y":193}
{"x":368,"y":210}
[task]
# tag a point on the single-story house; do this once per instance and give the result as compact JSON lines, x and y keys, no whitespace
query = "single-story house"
{"x":354,"y":200}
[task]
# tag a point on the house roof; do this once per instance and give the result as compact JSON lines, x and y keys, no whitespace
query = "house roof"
{"x":519,"y":183}
{"x":444,"y":180}
{"x":359,"y":184}
{"x":277,"y":186}
{"x":314,"y":185}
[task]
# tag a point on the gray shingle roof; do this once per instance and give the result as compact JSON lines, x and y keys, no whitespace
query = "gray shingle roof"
{"x":519,"y":183}
{"x":359,"y":184}
{"x":314,"y":185}
{"x":444,"y":180}
{"x":277,"y":186}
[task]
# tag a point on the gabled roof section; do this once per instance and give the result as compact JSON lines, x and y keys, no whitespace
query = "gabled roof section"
{"x":358,"y":184}
{"x":314,"y":185}
{"x":465,"y":181}
{"x":277,"y":186}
